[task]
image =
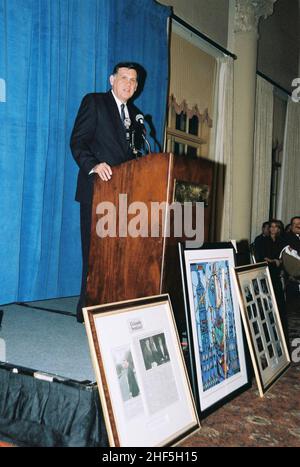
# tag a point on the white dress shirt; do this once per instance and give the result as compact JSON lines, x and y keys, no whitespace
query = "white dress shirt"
{"x":119,"y":103}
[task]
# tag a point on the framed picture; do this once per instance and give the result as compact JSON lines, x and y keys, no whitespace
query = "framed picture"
{"x":214,"y":329}
{"x":266,"y":341}
{"x":142,"y":379}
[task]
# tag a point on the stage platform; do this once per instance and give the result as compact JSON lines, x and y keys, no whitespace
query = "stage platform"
{"x":48,"y":394}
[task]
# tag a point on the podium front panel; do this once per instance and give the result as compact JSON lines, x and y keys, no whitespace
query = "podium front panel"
{"x":123,"y":267}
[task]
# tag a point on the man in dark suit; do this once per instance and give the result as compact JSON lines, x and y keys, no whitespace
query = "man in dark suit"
{"x":292,"y":239}
{"x":100,"y":140}
{"x":259,"y":241}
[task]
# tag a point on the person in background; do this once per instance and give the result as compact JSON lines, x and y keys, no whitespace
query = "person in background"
{"x":258,"y":242}
{"x":292,"y":237}
{"x":271,"y":249}
{"x":291,"y":264}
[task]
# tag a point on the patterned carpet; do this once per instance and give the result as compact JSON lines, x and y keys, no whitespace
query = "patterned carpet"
{"x":249,"y":420}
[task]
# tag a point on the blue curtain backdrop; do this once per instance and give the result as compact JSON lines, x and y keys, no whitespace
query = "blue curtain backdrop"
{"x":53,"y":52}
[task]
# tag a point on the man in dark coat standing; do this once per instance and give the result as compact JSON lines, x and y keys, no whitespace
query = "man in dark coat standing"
{"x":100,"y":140}
{"x":292,"y":239}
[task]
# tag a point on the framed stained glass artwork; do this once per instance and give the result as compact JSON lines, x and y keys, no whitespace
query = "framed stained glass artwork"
{"x":214,"y":328}
{"x":263,"y":328}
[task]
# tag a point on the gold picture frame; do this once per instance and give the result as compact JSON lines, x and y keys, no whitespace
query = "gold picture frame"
{"x":140,"y":370}
{"x":262,"y":324}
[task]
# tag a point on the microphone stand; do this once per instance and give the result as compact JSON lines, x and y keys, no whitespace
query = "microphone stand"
{"x":147,"y":143}
{"x":139,"y":118}
{"x":135,"y":152}
{"x":130,"y":136}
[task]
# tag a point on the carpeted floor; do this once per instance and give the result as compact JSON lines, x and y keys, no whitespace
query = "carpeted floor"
{"x":249,"y":420}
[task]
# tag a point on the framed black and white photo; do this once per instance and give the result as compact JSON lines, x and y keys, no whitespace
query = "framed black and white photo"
{"x":142,"y":379}
{"x":215,"y":337}
{"x":264,"y":332}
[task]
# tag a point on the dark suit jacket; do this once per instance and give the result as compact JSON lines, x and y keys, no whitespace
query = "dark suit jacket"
{"x":98,"y":136}
{"x":292,"y":240}
{"x":258,"y":248}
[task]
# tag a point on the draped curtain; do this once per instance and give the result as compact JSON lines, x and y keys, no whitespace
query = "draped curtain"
{"x":138,"y":31}
{"x":52,"y":53}
{"x":221,"y":149}
{"x":289,"y":196}
{"x":262,"y":166}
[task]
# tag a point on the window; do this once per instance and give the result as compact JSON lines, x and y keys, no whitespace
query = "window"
{"x":187,"y":131}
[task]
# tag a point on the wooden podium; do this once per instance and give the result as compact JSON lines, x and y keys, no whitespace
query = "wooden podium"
{"x":123,"y":267}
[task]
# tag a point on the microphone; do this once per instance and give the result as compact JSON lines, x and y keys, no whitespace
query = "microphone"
{"x":139,"y":118}
{"x":130,"y":135}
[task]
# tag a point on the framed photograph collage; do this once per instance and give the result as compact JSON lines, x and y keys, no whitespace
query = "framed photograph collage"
{"x":262,"y":324}
{"x":142,"y":379}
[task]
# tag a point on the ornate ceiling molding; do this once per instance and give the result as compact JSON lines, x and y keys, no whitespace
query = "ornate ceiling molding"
{"x":249,"y":12}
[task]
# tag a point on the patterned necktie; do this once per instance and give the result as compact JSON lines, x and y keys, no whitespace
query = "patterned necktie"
{"x":123,"y":113}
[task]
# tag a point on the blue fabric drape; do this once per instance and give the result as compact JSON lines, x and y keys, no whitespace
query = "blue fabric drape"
{"x":53,"y":52}
{"x":139,"y":29}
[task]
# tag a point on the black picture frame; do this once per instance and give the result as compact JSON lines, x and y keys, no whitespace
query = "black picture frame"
{"x":220,"y":254}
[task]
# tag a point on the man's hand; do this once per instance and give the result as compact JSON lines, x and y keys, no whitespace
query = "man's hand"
{"x":104,"y":171}
{"x":275,"y":261}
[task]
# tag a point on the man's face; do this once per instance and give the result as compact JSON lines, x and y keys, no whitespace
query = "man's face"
{"x":274,"y":229}
{"x":295,"y":227}
{"x":266,"y":230}
{"x":124,"y":83}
